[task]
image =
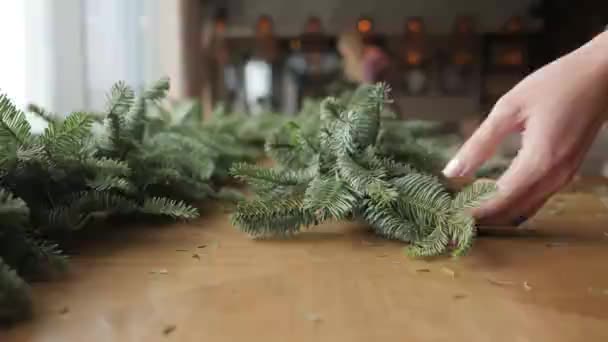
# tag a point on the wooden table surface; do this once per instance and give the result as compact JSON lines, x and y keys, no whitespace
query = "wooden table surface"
{"x":546,"y":282}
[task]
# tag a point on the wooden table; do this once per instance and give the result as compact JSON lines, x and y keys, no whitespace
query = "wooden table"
{"x":547,"y":282}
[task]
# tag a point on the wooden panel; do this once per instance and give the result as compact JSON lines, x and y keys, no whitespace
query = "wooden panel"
{"x":441,"y":108}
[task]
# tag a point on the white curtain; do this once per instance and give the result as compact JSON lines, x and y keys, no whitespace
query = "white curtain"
{"x":12,"y":58}
{"x":65,"y":54}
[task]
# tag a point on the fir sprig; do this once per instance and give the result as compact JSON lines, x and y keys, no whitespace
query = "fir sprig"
{"x":366,"y":169}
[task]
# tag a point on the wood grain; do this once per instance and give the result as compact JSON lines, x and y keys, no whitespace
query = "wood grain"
{"x":336,"y":283}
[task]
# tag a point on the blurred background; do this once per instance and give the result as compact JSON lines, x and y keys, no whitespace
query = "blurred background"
{"x":451,"y":60}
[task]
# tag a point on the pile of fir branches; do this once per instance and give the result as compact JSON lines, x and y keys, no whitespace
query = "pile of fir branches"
{"x":131,"y":160}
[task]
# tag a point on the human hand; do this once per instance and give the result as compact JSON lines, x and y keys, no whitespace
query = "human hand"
{"x":559,"y":110}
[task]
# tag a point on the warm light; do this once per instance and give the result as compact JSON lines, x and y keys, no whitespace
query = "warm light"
{"x":264,"y":25}
{"x":295,"y":44}
{"x":462,"y":58}
{"x":514,"y":25}
{"x":512,"y":57}
{"x":220,"y":26}
{"x":414,"y":25}
{"x":413,"y":57}
{"x":364,"y":25}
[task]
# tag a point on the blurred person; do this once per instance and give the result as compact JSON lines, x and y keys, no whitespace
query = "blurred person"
{"x":363,"y":63}
{"x":559,"y":109}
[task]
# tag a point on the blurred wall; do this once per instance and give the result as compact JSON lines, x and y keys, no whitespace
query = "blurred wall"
{"x":389,"y":15}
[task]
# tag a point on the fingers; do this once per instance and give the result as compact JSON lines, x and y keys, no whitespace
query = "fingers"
{"x":531,"y":180}
{"x":513,"y":185}
{"x":483,"y":143}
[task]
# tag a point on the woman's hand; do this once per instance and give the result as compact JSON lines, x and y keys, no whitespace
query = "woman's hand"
{"x":559,"y":109}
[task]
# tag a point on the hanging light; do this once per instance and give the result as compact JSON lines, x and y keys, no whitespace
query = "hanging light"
{"x":414,"y":26}
{"x":264,"y":26}
{"x":219,"y":22}
{"x":365,"y":25}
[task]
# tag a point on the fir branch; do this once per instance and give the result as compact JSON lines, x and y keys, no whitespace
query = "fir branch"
{"x":15,"y":297}
{"x":169,"y":207}
{"x":424,"y":199}
{"x":276,"y":217}
{"x":14,"y":128}
{"x":105,"y":183}
{"x":136,"y":119}
{"x":42,"y":113}
{"x":329,"y":198}
{"x":368,"y":165}
{"x":120,"y":99}
{"x":64,"y":139}
{"x":107,"y":166}
{"x":13,"y":210}
{"x":473,"y":195}
{"x":387,"y":222}
{"x":158,"y":90}
{"x":264,"y":178}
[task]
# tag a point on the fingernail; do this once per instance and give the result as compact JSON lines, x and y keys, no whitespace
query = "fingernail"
{"x":519,"y":220}
{"x":453,"y":168}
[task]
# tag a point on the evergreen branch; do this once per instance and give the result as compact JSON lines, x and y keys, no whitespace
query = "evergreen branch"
{"x":13,"y":210}
{"x":15,"y":297}
{"x":388,"y":223}
{"x":473,"y":195}
{"x":107,"y":166}
{"x":105,"y":183}
{"x":263,"y":178}
{"x":158,"y":90}
{"x":169,"y":207}
{"x":65,"y":138}
{"x":42,"y":113}
{"x":14,"y":128}
{"x":329,"y":198}
{"x":136,"y":119}
{"x":433,"y":244}
{"x":423,"y":199}
{"x":277,"y":217}
{"x":363,"y":180}
{"x":120,"y":99}
{"x":463,"y":231}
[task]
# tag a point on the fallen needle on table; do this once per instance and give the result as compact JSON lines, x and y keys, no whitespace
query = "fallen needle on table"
{"x":501,"y":282}
{"x":422,"y":270}
{"x":459,"y":296}
{"x":181,"y":250}
{"x":313,"y":317}
{"x":196,"y":256}
{"x":449,"y":272}
{"x":201,"y":246}
{"x":169,"y":329}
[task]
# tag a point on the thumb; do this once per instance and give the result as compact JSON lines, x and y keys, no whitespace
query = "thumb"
{"x":483,"y":143}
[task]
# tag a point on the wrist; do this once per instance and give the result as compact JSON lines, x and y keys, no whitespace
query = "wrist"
{"x":596,"y":52}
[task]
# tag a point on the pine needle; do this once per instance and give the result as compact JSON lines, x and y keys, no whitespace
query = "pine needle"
{"x":499,"y":282}
{"x":450,"y":272}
